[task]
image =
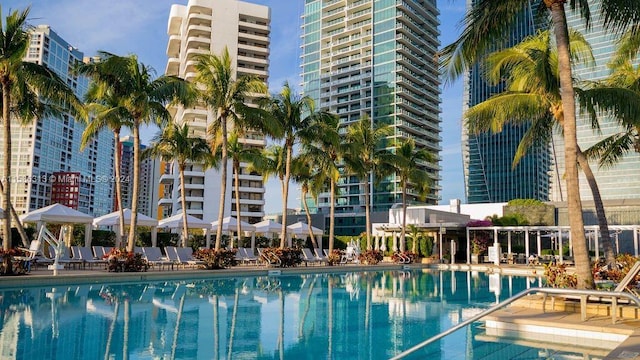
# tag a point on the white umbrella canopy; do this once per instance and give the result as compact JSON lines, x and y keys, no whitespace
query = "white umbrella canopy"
{"x":268,"y":226}
{"x":113,"y":219}
{"x":230,"y":224}
{"x":301,"y":228}
{"x":175,"y":222}
{"x":57,"y":214}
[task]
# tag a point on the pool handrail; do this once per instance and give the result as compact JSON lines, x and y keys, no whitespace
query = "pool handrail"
{"x":614,"y":295}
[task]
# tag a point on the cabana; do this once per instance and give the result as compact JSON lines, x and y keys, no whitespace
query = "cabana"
{"x":230,"y":224}
{"x":302,"y":229}
{"x":113,"y":220}
{"x":268,"y":227}
{"x":175,"y":222}
{"x":60,"y":214}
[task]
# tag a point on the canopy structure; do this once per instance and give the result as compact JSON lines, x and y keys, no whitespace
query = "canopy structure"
{"x":60,"y":214}
{"x":302,"y":229}
{"x":230,"y":224}
{"x":268,"y":226}
{"x":175,"y":222}
{"x":113,"y":220}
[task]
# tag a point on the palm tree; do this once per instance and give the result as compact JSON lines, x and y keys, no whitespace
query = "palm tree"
{"x":485,"y":25}
{"x":225,"y":95}
{"x":323,"y":147}
{"x":292,"y":113}
{"x":239,"y":152}
{"x":29,"y":91}
{"x":177,"y":143}
{"x":310,"y":180}
{"x":366,"y":156}
{"x":532,"y":97}
{"x":104,"y":114}
{"x":142,"y":98}
{"x":408,"y":163}
{"x":272,"y":162}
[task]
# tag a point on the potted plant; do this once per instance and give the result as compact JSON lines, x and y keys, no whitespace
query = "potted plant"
{"x":480,"y":239}
{"x":122,"y":260}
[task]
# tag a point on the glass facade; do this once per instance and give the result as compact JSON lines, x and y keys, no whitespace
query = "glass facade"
{"x":617,"y":182}
{"x":50,"y":145}
{"x":488,"y":158}
{"x":375,"y":57}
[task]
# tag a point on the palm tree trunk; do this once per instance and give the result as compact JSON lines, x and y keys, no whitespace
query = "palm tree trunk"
{"x":607,"y":244}
{"x":6,"y":102}
{"x":112,"y":329}
{"x":332,"y":214}
{"x":223,"y":180}
{"x":404,"y":215}
{"x":574,"y":205}
{"x":234,"y":317}
{"x":285,"y":192}
{"x":306,"y":211}
{"x":183,"y":202}
{"x":16,"y":219}
{"x":367,"y":210}
{"x":133,"y":223}
{"x":118,"y":174}
{"x":236,"y":189}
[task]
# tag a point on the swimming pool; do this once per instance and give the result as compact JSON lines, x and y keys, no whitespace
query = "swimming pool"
{"x":350,"y":315}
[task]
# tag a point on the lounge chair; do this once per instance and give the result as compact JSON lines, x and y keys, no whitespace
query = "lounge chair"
{"x":250,"y":256}
{"x":98,"y":251}
{"x":65,"y":259}
{"x":269,"y":258}
{"x":321,"y":254}
{"x":182,"y":256}
{"x":154,"y":256}
{"x":308,"y":257}
{"x":87,"y":257}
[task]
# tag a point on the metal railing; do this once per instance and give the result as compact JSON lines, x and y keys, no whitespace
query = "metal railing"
{"x":584,"y":294}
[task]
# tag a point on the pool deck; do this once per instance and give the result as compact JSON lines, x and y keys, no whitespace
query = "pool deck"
{"x":520,"y":314}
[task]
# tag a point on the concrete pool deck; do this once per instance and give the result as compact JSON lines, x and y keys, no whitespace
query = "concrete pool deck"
{"x":523,"y":314}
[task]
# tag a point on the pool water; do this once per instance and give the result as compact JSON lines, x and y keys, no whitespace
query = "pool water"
{"x":349,"y":315}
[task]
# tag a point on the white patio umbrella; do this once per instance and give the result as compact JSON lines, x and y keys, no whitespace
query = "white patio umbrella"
{"x":113,"y":220}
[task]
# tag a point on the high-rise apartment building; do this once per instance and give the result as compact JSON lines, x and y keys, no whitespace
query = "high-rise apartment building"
{"x":49,"y":146}
{"x":203,"y":27}
{"x":376,"y":58}
{"x":619,"y":182}
{"x":488,"y":158}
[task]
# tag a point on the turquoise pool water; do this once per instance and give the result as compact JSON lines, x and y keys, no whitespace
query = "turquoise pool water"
{"x":358,"y":315}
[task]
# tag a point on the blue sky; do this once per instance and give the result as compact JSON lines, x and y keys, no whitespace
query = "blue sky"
{"x":139,"y":27}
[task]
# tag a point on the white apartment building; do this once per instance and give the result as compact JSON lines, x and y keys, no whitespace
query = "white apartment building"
{"x":202,"y":27}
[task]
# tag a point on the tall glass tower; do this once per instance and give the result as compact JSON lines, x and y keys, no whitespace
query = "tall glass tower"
{"x":48,"y":149}
{"x":376,"y":58}
{"x":488,"y":158}
{"x":619,"y":182}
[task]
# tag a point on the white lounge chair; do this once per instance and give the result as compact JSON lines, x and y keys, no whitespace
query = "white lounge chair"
{"x":154,"y":257}
{"x":33,"y":255}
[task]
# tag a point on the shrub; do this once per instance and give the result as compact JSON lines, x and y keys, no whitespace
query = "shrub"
{"x":289,"y":257}
{"x":370,"y":257}
{"x":334,"y":257}
{"x":217,"y":259}
{"x":556,"y":276}
{"x":127,"y":261}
